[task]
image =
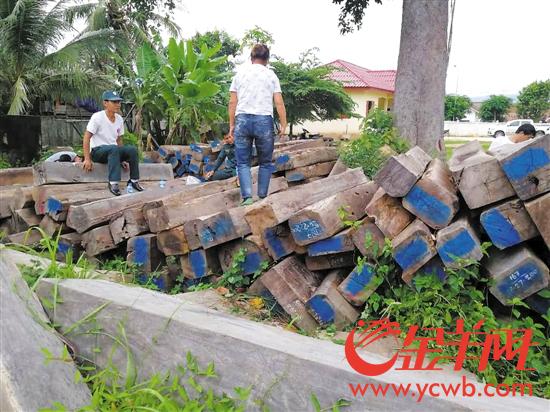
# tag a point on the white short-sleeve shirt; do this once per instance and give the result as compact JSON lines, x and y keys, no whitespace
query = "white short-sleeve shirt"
{"x":104,"y":132}
{"x":499,"y":142}
{"x":255,"y":85}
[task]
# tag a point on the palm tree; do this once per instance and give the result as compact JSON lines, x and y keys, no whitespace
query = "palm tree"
{"x":32,"y":68}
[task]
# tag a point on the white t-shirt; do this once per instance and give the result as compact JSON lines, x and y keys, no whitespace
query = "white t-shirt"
{"x":499,"y":142}
{"x":255,"y":85}
{"x":55,"y":157}
{"x":104,"y":132}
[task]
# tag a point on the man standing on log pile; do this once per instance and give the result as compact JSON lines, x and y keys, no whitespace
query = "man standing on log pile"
{"x":253,"y":91}
{"x":103,"y":144}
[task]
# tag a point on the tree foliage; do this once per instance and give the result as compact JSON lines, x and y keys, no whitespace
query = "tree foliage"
{"x":310,"y":94}
{"x":534,"y":100}
{"x":352,"y":13}
{"x":456,"y":106}
{"x":495,"y":108}
{"x":256,"y":35}
{"x":230,"y":47}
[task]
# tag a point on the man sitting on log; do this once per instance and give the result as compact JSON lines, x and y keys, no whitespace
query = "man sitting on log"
{"x":103,"y":144}
{"x":227,"y":154}
{"x":524,"y":132}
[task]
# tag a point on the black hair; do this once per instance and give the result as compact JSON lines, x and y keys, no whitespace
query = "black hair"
{"x":65,"y":158}
{"x":260,"y":52}
{"x":527,"y":129}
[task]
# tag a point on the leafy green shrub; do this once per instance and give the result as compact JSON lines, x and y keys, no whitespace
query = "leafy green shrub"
{"x":365,"y":151}
{"x":4,"y":161}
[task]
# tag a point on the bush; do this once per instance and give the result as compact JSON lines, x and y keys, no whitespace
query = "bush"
{"x":366,"y":151}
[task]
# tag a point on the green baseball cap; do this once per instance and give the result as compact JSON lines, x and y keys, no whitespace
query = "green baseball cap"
{"x":111,"y":95}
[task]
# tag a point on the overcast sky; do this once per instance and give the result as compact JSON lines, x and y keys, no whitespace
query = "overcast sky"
{"x":499,"y":46}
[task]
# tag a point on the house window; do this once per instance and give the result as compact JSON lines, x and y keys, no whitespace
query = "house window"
{"x":370,"y":105}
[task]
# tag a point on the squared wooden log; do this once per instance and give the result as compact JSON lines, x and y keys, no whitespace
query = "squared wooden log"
{"x":199,"y":151}
{"x":22,"y":198}
{"x":368,"y":238}
{"x":279,"y":207}
{"x":69,"y":242}
{"x":328,"y":306}
{"x":412,"y":248}
{"x":293,"y":160}
{"x":195,"y":167}
{"x":173,"y":242}
{"x":527,"y":166}
{"x":339,"y":167}
{"x":292,"y":285}
{"x":401,"y":172}
{"x":163,"y":280}
{"x":360,"y":284}
{"x":459,"y":240}
{"x":321,"y":220}
{"x":64,"y":172}
{"x":508,"y":224}
{"x":433,"y":198}
{"x":51,"y":227}
{"x":339,"y":243}
{"x":517,"y":273}
{"x":434,"y":267}
{"x":128,"y":224}
{"x":221,"y":227}
{"x":200,"y":263}
{"x":539,"y":209}
{"x":28,"y":238}
{"x":478,"y":176}
{"x":144,"y":253}
{"x":97,"y":241}
{"x":7,"y":196}
{"x":279,"y":241}
{"x":388,"y":213}
{"x":255,"y":255}
{"x":316,"y":170}
{"x":326,"y":262}
{"x":23,"y":219}
{"x":16,"y":176}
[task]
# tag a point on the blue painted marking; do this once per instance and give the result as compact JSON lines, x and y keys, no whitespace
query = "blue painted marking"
{"x":188,"y":157}
{"x":162,"y":152}
{"x":295,"y":177}
{"x":195,"y":148}
{"x":460,"y":246}
{"x":179,"y":156}
{"x":221,"y":227}
{"x":194,"y":168}
{"x":356,"y":282}
{"x":197,"y":261}
{"x":53,"y":205}
{"x":520,"y":280}
{"x":306,"y":229}
{"x":411,"y":253}
{"x":141,"y":251}
{"x":214,"y":143}
{"x":63,"y":248}
{"x":275,"y":244}
{"x":333,"y":244}
{"x":251,"y":263}
{"x":502,"y":233}
{"x":433,"y":267}
{"x":428,"y":207}
{"x":180,"y":171}
{"x":282,"y":159}
{"x":521,"y":166}
{"x":173,"y":161}
{"x":323,"y":309}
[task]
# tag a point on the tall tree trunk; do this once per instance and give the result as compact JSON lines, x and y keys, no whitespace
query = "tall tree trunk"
{"x":421,"y":73}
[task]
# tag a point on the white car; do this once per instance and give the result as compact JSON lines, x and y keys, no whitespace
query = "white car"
{"x":511,"y":127}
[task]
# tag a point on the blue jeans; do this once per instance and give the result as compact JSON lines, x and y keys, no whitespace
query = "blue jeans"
{"x":251,"y":128}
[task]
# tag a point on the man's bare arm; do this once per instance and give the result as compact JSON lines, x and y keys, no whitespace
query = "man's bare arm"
{"x":281,"y":111}
{"x":87,"y":164}
{"x":232,"y":108}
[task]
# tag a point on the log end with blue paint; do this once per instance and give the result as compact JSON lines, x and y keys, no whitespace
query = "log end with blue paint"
{"x":500,"y":230}
{"x":359,"y":284}
{"x":321,"y":309}
{"x":339,"y":243}
{"x":278,"y":246}
{"x":429,"y":208}
{"x":306,"y":230}
{"x":463,"y":244}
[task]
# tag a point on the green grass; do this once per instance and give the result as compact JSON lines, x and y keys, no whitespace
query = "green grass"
{"x":450,"y":145}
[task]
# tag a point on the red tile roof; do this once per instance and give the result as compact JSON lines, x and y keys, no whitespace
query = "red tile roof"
{"x":351,"y":75}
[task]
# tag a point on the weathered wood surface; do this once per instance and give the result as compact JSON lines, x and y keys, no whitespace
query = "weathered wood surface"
{"x":58,"y":208}
{"x":388,"y":213}
{"x":128,"y":224}
{"x":368,"y":238}
{"x":200,"y":263}
{"x":401,"y":172}
{"x":539,"y":210}
{"x":97,"y":241}
{"x":508,"y":224}
{"x":339,"y":243}
{"x":359,"y":284}
{"x":296,"y":146}
{"x":479,"y":176}
{"x":195,"y":166}
{"x":292,"y":285}
{"x":459,"y":240}
{"x":279,"y":207}
{"x":69,"y":242}
{"x":321,"y":220}
{"x":218,"y":228}
{"x":24,"y":219}
{"x":166,"y":151}
{"x":326,"y":262}
{"x":328,"y":306}
{"x":516,"y":272}
{"x":164,"y":218}
{"x":433,"y":198}
{"x":51,"y":227}
{"x":5,"y":198}
{"x":527,"y":166}
{"x":302,"y":173}
{"x":293,"y":160}
{"x":64,"y":172}
{"x":83,"y":217}
{"x":338,"y":168}
{"x":26,"y":238}
{"x":279,"y":242}
{"x":144,"y":253}
{"x":173,"y":242}
{"x":412,"y":248}
{"x":255,"y":254}
{"x":13,"y":198}
{"x":16,"y":176}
